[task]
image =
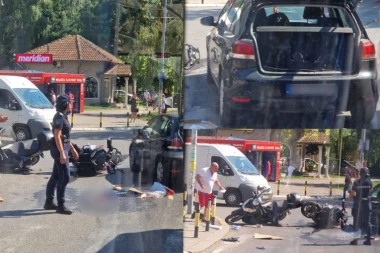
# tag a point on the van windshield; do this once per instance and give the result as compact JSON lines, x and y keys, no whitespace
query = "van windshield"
{"x":243,"y":165}
{"x":33,"y":98}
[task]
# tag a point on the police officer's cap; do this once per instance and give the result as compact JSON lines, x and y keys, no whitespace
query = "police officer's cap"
{"x":62,"y":102}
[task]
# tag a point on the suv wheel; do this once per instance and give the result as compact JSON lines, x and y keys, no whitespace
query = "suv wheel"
{"x":361,"y":115}
{"x":232,"y":197}
{"x":22,"y":133}
{"x":162,"y":176}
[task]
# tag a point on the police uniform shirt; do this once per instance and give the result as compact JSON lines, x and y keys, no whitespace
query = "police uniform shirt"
{"x":362,"y":189}
{"x":61,"y":122}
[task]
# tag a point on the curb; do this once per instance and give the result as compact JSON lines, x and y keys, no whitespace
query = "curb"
{"x":205,"y":5}
{"x":223,"y":223}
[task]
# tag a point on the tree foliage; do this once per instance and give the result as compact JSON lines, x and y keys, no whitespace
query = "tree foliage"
{"x":27,"y":24}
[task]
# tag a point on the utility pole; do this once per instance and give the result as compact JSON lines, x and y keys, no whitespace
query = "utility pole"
{"x":340,"y":149}
{"x":363,"y":145}
{"x":116,"y":43}
{"x":161,"y":72}
{"x":193,"y":170}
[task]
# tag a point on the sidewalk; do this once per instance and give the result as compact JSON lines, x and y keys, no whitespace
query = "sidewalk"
{"x":111,"y":119}
{"x":205,"y":239}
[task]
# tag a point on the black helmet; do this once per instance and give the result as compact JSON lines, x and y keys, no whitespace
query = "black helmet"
{"x":364,"y":172}
{"x":62,"y":102}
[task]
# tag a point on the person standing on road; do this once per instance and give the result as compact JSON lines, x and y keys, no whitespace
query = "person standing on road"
{"x":147,"y":96}
{"x":3,"y":118}
{"x":206,"y":178}
{"x":59,"y":150}
{"x":290,"y":170}
{"x":347,"y":182}
{"x":134,"y":109}
{"x":361,"y":192}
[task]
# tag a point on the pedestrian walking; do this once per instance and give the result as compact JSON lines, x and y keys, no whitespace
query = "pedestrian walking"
{"x":154,"y":101}
{"x":205,"y":180}
{"x":163,"y":104}
{"x":134,"y":109}
{"x":59,"y":150}
{"x":51,"y":96}
{"x":147,"y":98}
{"x":347,"y":182}
{"x":290,"y":170}
{"x":268,"y":170}
{"x":361,"y":193}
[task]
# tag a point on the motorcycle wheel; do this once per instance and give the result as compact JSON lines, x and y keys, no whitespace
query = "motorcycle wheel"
{"x":309,"y":209}
{"x":233,"y":218}
{"x":282,"y":216}
{"x":35,"y":160}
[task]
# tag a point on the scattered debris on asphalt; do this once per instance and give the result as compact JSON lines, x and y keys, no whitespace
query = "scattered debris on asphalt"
{"x":260,"y":248}
{"x":46,"y":177}
{"x":235,"y":227}
{"x":231,"y":239}
{"x":216,"y":227}
{"x":1,"y":199}
{"x":267,"y":237}
{"x":158,"y":191}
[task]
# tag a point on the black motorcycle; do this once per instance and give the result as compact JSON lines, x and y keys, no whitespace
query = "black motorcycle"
{"x":254,"y":212}
{"x":325,"y":216}
{"x":93,"y":159}
{"x":191,"y":56}
{"x":22,"y":155}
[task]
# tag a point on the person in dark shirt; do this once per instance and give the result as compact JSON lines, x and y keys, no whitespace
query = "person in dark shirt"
{"x":361,"y":192}
{"x":60,"y":147}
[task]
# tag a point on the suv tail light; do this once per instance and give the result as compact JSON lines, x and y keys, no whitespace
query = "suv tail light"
{"x":368,"y":50}
{"x":175,"y":144}
{"x":243,"y":50}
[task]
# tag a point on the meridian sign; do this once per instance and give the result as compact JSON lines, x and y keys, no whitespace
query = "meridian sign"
{"x":34,"y":58}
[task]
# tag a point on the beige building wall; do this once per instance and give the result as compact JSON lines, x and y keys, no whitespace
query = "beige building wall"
{"x":89,"y":69}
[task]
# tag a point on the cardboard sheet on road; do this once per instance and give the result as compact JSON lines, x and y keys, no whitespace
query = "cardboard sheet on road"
{"x":267,"y":237}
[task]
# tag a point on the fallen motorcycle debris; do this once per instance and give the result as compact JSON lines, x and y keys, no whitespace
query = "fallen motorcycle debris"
{"x":1,"y":199}
{"x":262,"y":248}
{"x":231,"y":239}
{"x":267,"y":237}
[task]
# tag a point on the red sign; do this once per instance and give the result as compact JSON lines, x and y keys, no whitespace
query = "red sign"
{"x":34,"y":58}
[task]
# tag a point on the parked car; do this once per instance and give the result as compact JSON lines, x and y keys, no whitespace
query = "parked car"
{"x":300,"y":58}
{"x":160,"y":142}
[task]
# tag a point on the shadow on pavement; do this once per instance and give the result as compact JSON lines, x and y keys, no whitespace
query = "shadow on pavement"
{"x":166,"y":241}
{"x":23,"y":213}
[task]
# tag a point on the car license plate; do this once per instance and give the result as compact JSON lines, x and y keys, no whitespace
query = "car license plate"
{"x":299,"y":89}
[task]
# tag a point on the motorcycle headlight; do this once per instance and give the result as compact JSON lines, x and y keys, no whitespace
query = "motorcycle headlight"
{"x":256,"y":201}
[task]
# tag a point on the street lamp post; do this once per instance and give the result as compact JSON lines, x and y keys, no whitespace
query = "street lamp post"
{"x":161,"y":72}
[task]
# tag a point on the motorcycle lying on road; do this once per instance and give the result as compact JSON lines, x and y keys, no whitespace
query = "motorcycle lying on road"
{"x":254,"y":212}
{"x":325,"y":216}
{"x":93,"y":159}
{"x":191,"y":56}
{"x":22,"y":155}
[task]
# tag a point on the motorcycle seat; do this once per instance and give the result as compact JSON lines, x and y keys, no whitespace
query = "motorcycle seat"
{"x":24,"y":148}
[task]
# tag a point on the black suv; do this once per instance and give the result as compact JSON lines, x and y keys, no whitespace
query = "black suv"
{"x":157,"y":149}
{"x":293,"y":57}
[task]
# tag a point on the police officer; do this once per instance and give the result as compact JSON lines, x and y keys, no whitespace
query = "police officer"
{"x":59,"y":150}
{"x":361,"y":191}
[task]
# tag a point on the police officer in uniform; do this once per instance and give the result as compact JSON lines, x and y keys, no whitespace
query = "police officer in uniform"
{"x":60,"y":147}
{"x":361,"y":191}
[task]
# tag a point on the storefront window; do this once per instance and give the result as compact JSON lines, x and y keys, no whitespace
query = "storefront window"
{"x":91,"y":88}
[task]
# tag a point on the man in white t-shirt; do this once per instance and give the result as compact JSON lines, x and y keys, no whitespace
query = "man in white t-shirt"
{"x":291,"y":168}
{"x":206,"y":178}
{"x":147,"y":98}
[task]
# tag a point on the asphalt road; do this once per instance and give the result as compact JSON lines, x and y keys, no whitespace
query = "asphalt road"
{"x":121,"y":223}
{"x":202,"y":97}
{"x":298,"y":233}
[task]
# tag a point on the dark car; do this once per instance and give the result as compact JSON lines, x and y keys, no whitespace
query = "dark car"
{"x":294,"y":57}
{"x":160,"y":145}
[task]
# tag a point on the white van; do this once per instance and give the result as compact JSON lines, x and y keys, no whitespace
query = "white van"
{"x":28,"y":109}
{"x":236,"y":173}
